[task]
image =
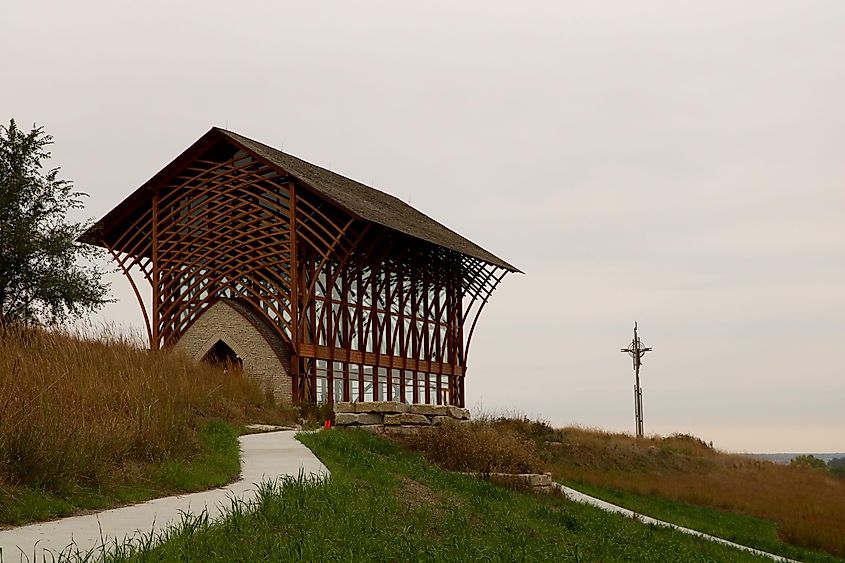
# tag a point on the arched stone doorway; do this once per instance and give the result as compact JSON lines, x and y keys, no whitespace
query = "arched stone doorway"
{"x":231,"y":331}
{"x":222,"y":355}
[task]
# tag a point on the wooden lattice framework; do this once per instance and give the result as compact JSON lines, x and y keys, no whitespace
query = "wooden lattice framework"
{"x":369,"y":311}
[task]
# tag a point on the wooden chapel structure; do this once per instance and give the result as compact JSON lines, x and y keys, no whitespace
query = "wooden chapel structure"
{"x":363,"y":297}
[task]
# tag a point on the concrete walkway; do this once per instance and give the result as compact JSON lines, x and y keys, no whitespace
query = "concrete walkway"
{"x":578,"y":496}
{"x":264,"y":457}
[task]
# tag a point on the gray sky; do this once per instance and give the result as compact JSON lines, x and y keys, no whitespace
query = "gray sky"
{"x":678,"y":163}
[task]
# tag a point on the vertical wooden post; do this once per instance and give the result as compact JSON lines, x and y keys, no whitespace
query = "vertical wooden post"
{"x":386,"y":331}
{"x":374,"y":330}
{"x":311,"y":311}
{"x":294,"y":269}
{"x":415,"y":342}
{"x":403,"y":350}
{"x":344,"y":327}
{"x":438,"y":340}
{"x":331,"y":329}
{"x":460,"y":357}
{"x":156,"y":306}
{"x":426,"y":344}
{"x":295,"y":307}
{"x":319,"y":324}
{"x":359,"y":318}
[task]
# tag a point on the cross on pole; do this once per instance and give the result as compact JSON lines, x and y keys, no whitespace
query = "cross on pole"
{"x":636,"y":350}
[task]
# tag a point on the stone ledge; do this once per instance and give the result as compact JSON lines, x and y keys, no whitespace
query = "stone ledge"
{"x":431,"y":410}
{"x":441,"y":410}
{"x":345,"y":419}
{"x":459,"y":413}
{"x":387,"y":407}
{"x":406,"y":419}
{"x":440,"y":420}
{"x":384,"y":416}
{"x":344,"y":407}
{"x":350,"y":419}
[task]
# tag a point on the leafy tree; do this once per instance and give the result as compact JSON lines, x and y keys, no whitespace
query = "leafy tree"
{"x":809,"y":461}
{"x":41,"y":278}
{"x":837,"y":466}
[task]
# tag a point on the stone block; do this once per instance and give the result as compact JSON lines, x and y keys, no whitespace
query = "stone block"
{"x":344,"y":407}
{"x":406,"y":419}
{"x":459,"y":413}
{"x":348,"y":419}
{"x":440,"y":420}
{"x":539,"y":480}
{"x":431,"y":410}
{"x":392,"y":407}
{"x":369,"y":418}
{"x":345,"y":419}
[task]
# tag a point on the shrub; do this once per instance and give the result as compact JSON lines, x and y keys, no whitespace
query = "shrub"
{"x":837,"y":467}
{"x":807,"y":461}
{"x":477,"y":446}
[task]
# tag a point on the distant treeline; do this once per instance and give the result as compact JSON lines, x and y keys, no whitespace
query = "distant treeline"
{"x":786,"y":457}
{"x":835,"y":465}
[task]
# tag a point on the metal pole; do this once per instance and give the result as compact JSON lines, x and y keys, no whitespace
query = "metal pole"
{"x":637,"y":351}
{"x":640,"y":432}
{"x":636,"y":413}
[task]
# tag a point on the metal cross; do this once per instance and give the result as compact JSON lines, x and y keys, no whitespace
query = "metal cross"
{"x":636,"y":350}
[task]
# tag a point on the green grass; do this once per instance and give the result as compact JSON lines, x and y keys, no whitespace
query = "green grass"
{"x":217,"y":463}
{"x":740,"y":528}
{"x":385,"y":504}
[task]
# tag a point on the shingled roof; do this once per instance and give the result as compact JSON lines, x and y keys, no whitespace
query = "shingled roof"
{"x":354,"y":197}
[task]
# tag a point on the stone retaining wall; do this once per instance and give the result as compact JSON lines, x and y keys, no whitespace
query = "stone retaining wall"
{"x":395,"y":417}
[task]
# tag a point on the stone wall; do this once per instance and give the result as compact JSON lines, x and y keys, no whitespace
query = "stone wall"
{"x":397,"y":417}
{"x":263,"y":359}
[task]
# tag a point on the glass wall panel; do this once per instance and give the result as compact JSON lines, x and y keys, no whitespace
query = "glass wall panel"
{"x":368,"y":383}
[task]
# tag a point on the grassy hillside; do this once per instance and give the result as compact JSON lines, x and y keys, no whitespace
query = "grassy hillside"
{"x":88,"y":424}
{"x":683,"y":479}
{"x":91,"y":423}
{"x":384,"y":504}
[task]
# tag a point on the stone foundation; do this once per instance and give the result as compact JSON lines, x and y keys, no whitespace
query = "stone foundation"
{"x":395,"y":417}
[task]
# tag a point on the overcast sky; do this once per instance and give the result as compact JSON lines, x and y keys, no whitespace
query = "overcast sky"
{"x":678,"y":163}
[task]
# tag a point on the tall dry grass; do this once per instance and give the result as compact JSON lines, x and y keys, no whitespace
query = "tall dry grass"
{"x":807,"y":505}
{"x":74,"y":410}
{"x":476,"y":447}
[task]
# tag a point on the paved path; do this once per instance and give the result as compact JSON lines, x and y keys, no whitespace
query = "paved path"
{"x":578,"y":496}
{"x":263,"y":457}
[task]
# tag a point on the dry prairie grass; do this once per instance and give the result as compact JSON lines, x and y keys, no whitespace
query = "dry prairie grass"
{"x":807,"y":505}
{"x":75,"y":411}
{"x":477,"y":447}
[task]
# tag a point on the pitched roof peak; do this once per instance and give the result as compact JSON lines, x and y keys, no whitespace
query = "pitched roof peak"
{"x":366,"y":202}
{"x":360,"y":200}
